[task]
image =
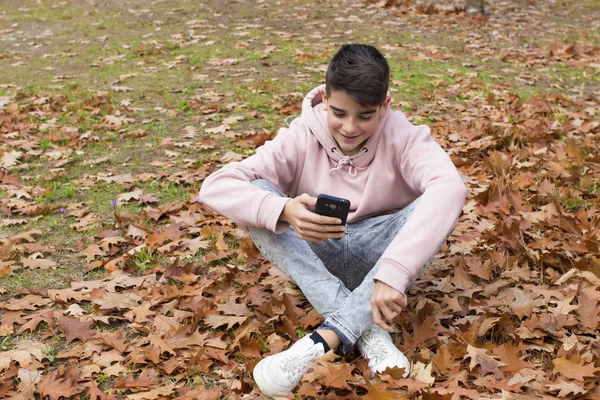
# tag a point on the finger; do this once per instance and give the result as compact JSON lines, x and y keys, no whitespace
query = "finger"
{"x":305,"y":225}
{"x":387,"y":313}
{"x":385,"y":326}
{"x":378,"y":320}
{"x":402,"y":301}
{"x":396,"y":308}
{"x":319,"y":237}
{"x":399,"y":301}
{"x":322,"y":219}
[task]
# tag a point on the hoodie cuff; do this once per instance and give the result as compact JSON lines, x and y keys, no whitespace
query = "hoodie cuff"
{"x":269,"y":213}
{"x":394,"y":275}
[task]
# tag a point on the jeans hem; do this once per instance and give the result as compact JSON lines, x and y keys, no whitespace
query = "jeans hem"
{"x":347,"y":344}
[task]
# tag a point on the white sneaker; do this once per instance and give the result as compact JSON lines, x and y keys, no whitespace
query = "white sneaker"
{"x":376,"y":346}
{"x":279,"y":374}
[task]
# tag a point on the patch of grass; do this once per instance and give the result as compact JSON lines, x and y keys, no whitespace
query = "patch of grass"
{"x":255,"y":100}
{"x":37,"y":279}
{"x":571,"y":200}
{"x":44,"y":144}
{"x":155,"y":127}
{"x":573,"y":77}
{"x":5,"y":344}
{"x":417,"y":80}
{"x":145,"y":259}
{"x":174,"y":191}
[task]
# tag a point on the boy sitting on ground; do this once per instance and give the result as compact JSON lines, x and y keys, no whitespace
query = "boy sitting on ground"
{"x":405,"y":195}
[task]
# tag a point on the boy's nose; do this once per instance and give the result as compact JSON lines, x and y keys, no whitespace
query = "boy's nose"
{"x":350,"y":127}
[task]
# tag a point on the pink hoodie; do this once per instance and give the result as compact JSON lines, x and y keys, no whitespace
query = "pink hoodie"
{"x":397,"y":164}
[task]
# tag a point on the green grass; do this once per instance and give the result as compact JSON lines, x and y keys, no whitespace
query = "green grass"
{"x":145,"y":259}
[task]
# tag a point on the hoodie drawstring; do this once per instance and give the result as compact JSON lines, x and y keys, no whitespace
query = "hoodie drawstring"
{"x":345,"y":161}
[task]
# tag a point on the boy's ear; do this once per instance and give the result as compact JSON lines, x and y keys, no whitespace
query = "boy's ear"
{"x":324,"y":99}
{"x":385,"y":105}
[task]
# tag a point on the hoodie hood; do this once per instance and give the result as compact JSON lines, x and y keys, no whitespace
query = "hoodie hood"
{"x":316,"y":118}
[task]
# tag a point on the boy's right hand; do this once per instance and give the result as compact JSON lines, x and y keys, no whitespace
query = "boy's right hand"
{"x":309,"y":225}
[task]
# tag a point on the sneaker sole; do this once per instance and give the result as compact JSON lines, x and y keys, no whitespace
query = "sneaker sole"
{"x":262,"y":381}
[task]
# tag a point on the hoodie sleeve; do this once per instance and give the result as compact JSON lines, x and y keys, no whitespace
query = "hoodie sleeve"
{"x":229,"y":191}
{"x":427,"y":169}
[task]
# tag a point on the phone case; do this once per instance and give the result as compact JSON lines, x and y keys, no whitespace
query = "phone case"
{"x":332,"y":206}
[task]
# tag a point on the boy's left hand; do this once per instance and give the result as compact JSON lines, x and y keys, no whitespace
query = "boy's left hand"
{"x":386,"y":303}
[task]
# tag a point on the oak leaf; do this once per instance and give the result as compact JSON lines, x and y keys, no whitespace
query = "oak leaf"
{"x":573,"y":369}
{"x":518,"y":300}
{"x":508,"y":355}
{"x":10,"y":159}
{"x":182,"y":340}
{"x":215,"y":321}
{"x":566,"y":388}
{"x":422,"y":373}
{"x":121,"y":301}
{"x":486,"y":363}
{"x":213,"y":393}
{"x":332,"y":375}
{"x":461,"y":279}
{"x":588,"y":311}
{"x":125,"y":197}
{"x":105,"y":358}
{"x":30,"y":302}
{"x":233,"y":308}
{"x":145,"y":379}
{"x":91,"y":252}
{"x":28,"y":380}
{"x":38,"y":263}
{"x":86,"y":222}
{"x":171,"y":233}
{"x":54,"y":388}
{"x":96,"y":394}
{"x":148,"y":198}
{"x":116,"y":340}
{"x":73,"y":329}
{"x":193,"y":245}
{"x":141,"y":313}
{"x":5,"y":269}
{"x":136,"y":233}
{"x":380,"y":391}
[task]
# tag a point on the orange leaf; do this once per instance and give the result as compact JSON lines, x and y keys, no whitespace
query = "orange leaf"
{"x":573,"y":369}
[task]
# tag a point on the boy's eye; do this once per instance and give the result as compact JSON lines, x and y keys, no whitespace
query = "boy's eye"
{"x":362,"y":118}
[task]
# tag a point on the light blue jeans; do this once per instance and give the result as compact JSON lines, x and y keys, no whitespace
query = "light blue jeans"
{"x":335,"y":275}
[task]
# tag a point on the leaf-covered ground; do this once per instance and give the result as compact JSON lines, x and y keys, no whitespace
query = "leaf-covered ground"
{"x":116,"y":284}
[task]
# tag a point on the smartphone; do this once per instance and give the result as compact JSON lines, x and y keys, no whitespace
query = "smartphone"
{"x":332,"y":206}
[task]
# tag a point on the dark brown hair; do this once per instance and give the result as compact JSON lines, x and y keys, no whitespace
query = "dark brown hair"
{"x":361,"y":71}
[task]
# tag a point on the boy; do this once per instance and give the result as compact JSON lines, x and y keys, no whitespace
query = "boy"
{"x":405,"y":194}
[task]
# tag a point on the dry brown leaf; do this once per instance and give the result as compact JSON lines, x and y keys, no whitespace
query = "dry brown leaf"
{"x":215,"y":321}
{"x":38,"y":263}
{"x":25,"y":352}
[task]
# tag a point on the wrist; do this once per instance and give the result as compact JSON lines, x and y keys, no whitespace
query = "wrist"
{"x":283,"y":216}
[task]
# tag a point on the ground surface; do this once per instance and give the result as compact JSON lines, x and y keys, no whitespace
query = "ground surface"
{"x":115,"y":283}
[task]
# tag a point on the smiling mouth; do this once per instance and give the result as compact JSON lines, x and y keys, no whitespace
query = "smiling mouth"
{"x":349,"y":137}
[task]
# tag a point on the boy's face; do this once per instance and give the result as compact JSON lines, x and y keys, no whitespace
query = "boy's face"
{"x":350,"y":123}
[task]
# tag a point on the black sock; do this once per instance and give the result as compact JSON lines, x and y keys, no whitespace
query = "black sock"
{"x":316,"y":338}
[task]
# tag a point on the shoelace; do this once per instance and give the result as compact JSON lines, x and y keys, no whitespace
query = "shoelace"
{"x":375,"y":348}
{"x":295,"y":365}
